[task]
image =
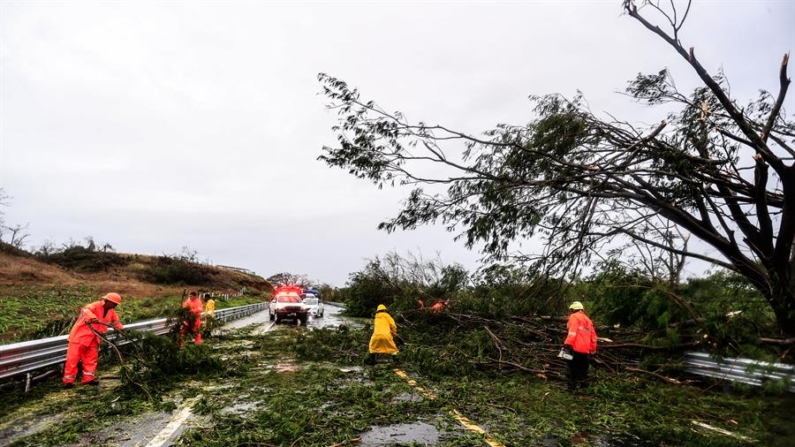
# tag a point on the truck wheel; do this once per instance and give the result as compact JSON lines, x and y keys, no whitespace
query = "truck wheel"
{"x":303,"y":319}
{"x":270,"y":315}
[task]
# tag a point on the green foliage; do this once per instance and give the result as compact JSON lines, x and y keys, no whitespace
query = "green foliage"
{"x":399,"y":283}
{"x":341,"y":343}
{"x":503,"y":289}
{"x":365,"y":291}
{"x":33,"y":312}
{"x":629,"y":298}
{"x":618,"y":409}
{"x":178,"y":269}
{"x":303,"y":388}
{"x":582,"y":181}
{"x":85,"y":259}
{"x":153,"y":363}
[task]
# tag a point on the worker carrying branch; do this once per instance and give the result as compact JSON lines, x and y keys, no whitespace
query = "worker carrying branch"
{"x":382,"y":342}
{"x":84,"y":339}
{"x":194,"y":324}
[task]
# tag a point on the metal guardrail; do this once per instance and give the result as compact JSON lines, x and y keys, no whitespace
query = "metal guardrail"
{"x":27,"y":356}
{"x":746,"y":371}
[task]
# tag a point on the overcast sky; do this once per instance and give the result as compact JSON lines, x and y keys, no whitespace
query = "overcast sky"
{"x":155,"y":126}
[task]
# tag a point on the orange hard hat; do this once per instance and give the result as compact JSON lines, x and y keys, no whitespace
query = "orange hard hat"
{"x":113,"y":298}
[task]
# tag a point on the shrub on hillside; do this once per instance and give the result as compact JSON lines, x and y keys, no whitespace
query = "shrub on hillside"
{"x":85,"y":259}
{"x":177,"y":270}
{"x":14,"y":251}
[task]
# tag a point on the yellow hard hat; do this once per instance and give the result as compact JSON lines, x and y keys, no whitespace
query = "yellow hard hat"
{"x":113,"y":298}
{"x":380,"y":308}
{"x":576,"y":306}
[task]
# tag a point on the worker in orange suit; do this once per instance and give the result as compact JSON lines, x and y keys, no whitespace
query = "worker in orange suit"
{"x":436,"y":308}
{"x":195,"y":306}
{"x":581,"y":344}
{"x":84,"y":339}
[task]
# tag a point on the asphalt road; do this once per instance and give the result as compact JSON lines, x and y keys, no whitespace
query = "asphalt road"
{"x":262,"y":324}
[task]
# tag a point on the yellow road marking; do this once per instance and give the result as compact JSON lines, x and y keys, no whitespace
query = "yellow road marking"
{"x":413,"y":383}
{"x":466,"y":423}
{"x":476,"y":428}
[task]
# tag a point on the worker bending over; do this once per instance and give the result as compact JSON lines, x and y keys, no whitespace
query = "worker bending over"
{"x":382,"y":342}
{"x":85,"y":337}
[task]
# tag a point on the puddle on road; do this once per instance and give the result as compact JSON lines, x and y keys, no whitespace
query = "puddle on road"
{"x":280,"y":367}
{"x":407,"y":397}
{"x":418,"y":432}
{"x":241,"y":407}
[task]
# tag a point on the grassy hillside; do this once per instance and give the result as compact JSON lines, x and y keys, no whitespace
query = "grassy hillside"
{"x":40,"y":295}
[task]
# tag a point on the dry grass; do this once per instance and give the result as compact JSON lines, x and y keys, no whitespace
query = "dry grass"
{"x":16,"y":270}
{"x":21,"y":271}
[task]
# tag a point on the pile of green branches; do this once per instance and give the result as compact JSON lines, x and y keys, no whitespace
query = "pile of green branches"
{"x":152,"y":364}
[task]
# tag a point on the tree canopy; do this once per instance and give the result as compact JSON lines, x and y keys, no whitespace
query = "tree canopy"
{"x":585,"y":184}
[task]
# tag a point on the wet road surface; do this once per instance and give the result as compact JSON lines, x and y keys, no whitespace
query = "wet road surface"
{"x":162,"y":429}
{"x":260,"y":323}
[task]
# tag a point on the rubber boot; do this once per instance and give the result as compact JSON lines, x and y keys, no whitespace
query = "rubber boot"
{"x":372,"y":359}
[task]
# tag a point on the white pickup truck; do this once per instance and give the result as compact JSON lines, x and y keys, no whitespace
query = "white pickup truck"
{"x":286,"y":304}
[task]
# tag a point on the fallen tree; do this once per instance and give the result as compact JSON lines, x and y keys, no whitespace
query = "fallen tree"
{"x":713,"y":170}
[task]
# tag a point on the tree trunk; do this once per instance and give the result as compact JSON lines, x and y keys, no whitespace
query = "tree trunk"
{"x":783,"y":304}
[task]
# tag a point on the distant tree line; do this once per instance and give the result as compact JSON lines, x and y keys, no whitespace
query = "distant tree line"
{"x":720,"y":311}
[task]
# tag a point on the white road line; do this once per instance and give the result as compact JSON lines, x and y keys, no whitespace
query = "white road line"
{"x":174,"y":424}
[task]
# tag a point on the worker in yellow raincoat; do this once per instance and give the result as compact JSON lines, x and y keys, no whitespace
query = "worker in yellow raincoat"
{"x":208,"y":316}
{"x":384,"y":331}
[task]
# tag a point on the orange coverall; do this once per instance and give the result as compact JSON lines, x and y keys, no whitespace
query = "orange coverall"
{"x":194,"y":304}
{"x":582,"y":335}
{"x":84,"y":343}
{"x":439,"y":306}
{"x":582,"y":339}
